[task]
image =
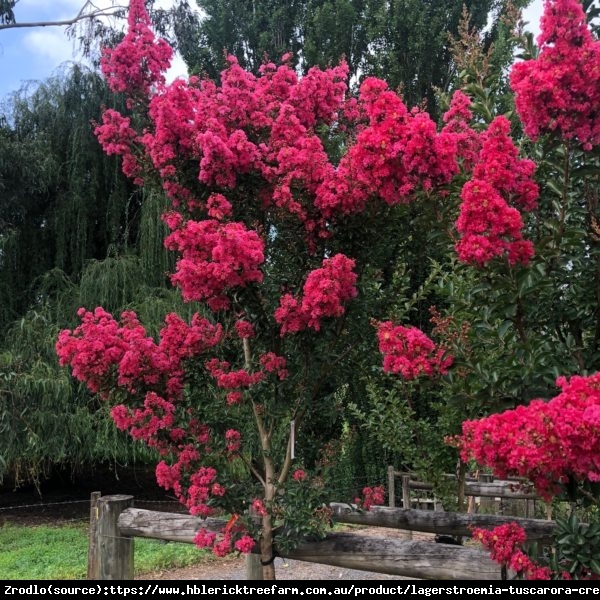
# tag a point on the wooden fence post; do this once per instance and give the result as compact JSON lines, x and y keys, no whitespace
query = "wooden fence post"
{"x":254,"y":570}
{"x":115,"y":551}
{"x":406,"y":501}
{"x":93,"y":560}
{"x":391,"y":487}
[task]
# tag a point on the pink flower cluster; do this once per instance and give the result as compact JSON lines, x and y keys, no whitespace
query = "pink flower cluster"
{"x":489,"y":223}
{"x":244,"y":329}
{"x":238,"y":380}
{"x":324,"y":295}
{"x":549,"y":443}
{"x":409,"y":352}
{"x":231,"y":539}
{"x":144,"y":424}
{"x":116,"y":136}
{"x":106,"y":355}
{"x":559,"y":91}
{"x":195,"y":485}
{"x":396,"y":153}
{"x":228,"y":379}
{"x":457,"y":121}
{"x":371,"y":496}
{"x":258,"y":507}
{"x":505,"y":544}
{"x":234,"y":440}
{"x":202,"y":484}
{"x":299,"y":475}
{"x":138,"y":61}
{"x":216,"y":257}
{"x":272,"y":363}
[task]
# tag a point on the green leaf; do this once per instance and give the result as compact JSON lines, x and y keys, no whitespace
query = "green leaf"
{"x":592,"y":530}
{"x":504,"y":327}
{"x":553,"y":187}
{"x":594,"y":565}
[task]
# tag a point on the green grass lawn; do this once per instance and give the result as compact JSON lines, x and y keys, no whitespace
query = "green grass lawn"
{"x":59,"y":553}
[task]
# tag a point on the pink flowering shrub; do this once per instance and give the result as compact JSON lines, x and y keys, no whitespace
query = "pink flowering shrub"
{"x":279,"y":186}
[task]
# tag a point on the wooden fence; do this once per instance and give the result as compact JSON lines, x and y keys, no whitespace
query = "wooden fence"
{"x":514,"y":497}
{"x":115,"y":522}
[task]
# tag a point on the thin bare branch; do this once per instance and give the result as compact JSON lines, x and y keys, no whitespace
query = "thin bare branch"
{"x":81,"y":16}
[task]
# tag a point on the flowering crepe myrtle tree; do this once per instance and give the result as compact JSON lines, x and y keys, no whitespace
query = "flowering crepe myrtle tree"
{"x":283,"y":190}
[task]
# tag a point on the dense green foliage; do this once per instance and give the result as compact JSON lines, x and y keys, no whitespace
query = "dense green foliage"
{"x":63,"y":201}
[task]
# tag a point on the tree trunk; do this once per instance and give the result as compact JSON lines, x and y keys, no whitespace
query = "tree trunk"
{"x":266,"y":549}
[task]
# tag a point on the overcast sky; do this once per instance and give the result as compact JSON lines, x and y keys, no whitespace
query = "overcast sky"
{"x":34,"y":54}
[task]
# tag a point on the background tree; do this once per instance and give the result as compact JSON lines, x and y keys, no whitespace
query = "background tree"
{"x":406,"y":42}
{"x":88,"y":11}
{"x":64,"y":203}
{"x":93,"y":27}
{"x":71,"y":231}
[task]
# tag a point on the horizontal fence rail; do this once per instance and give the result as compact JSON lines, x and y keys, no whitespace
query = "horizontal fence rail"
{"x":115,"y":522}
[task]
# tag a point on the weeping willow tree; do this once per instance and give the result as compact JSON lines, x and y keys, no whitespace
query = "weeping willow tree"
{"x":62,"y":201}
{"x":48,"y":420}
{"x":73,"y":233}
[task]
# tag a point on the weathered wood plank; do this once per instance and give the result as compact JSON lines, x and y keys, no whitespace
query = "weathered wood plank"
{"x":426,"y":521}
{"x":172,"y":527}
{"x":115,"y":549}
{"x":416,"y":559}
{"x":493,"y":489}
{"x":502,"y":489}
{"x":182,"y":528}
